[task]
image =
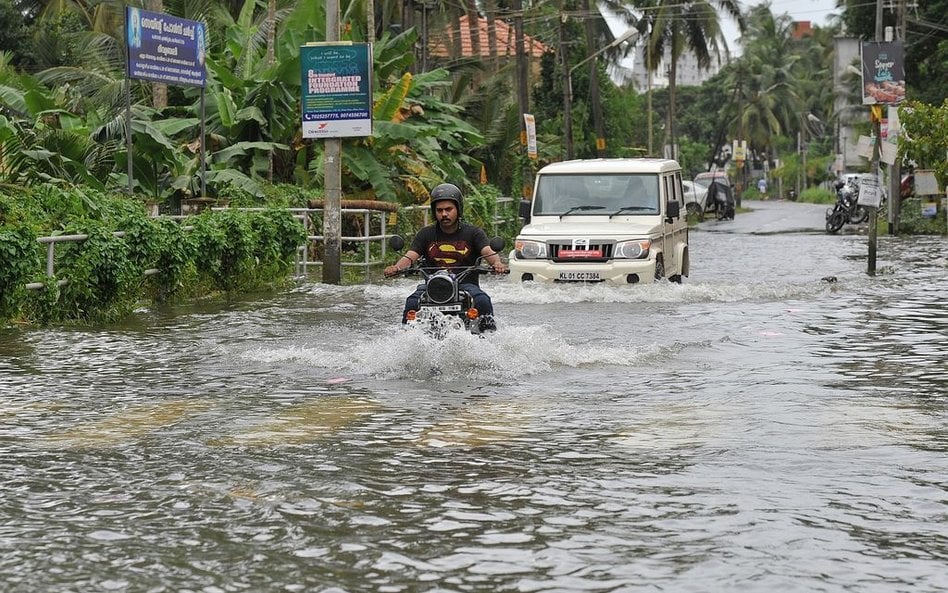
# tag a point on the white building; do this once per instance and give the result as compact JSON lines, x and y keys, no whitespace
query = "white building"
{"x":689,"y":73}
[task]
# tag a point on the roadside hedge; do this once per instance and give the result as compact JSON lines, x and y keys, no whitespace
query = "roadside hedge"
{"x":103,"y":278}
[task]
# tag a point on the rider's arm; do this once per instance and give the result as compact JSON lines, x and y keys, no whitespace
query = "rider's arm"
{"x":403,"y":263}
{"x":406,"y":261}
{"x":493,"y":258}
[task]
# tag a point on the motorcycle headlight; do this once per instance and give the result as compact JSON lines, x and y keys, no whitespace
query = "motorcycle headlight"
{"x":530,"y":249}
{"x":440,"y":289}
{"x":637,"y":249}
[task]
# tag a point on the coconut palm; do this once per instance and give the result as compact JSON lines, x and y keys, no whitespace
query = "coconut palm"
{"x":769,"y":97}
{"x":673,"y":28}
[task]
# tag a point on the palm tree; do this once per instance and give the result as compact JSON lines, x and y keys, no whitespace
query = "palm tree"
{"x":770,"y":102}
{"x":677,"y":27}
{"x":785,"y":87}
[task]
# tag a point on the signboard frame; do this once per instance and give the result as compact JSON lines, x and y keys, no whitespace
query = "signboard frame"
{"x":336,"y":89}
{"x":165,"y":48}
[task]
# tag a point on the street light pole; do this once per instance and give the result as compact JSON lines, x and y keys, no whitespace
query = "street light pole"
{"x":568,"y":99}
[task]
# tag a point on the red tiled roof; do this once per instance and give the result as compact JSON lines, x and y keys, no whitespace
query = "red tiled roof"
{"x":506,"y":41}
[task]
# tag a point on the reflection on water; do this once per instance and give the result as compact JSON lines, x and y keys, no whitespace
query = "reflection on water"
{"x":754,"y":429}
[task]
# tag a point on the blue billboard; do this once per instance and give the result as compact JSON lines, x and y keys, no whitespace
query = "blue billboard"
{"x":164,"y":48}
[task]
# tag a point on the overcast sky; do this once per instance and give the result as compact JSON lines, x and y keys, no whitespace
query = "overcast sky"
{"x":815,"y":11}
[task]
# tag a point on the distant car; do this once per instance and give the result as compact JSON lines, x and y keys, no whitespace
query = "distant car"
{"x":696,"y":197}
{"x":705,"y":178}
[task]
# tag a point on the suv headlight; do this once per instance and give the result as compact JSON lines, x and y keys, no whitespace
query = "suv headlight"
{"x":637,"y":249}
{"x":530,"y":249}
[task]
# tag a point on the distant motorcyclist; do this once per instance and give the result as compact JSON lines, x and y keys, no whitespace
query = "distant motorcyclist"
{"x":450,"y":243}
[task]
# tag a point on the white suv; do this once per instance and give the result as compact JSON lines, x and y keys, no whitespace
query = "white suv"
{"x":617,"y":221}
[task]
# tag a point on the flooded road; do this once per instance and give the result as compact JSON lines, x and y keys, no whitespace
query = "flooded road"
{"x":757,"y":428}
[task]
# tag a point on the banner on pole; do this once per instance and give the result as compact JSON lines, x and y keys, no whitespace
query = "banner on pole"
{"x":883,"y":73}
{"x":870,"y":193}
{"x":336,"y":89}
{"x":530,"y":123}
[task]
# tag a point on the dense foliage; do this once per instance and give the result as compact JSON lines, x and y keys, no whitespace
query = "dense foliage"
{"x":128,"y":256}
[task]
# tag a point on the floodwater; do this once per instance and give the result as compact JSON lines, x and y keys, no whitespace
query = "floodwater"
{"x":757,"y":428}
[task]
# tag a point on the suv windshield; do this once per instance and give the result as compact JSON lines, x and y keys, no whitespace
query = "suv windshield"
{"x":597,"y":195}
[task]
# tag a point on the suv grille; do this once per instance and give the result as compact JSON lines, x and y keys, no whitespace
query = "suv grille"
{"x":604,"y":248}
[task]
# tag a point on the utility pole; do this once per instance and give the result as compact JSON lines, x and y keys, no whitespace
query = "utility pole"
{"x":370,"y":22}
{"x":332,"y":208}
{"x":567,"y":92}
{"x":876,"y":118}
{"x":895,"y":177}
{"x":739,"y":178}
{"x":648,"y":74}
{"x":522,"y":97}
{"x":594,"y":96}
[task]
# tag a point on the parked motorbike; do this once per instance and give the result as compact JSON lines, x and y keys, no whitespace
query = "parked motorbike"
{"x":444,"y":306}
{"x":847,"y":208}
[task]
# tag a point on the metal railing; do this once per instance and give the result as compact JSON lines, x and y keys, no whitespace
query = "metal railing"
{"x":302,"y":262}
{"x":367,"y":237}
{"x":51,"y":243}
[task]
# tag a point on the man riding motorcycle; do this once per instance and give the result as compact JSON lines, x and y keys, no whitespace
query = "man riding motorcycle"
{"x":450,"y":243}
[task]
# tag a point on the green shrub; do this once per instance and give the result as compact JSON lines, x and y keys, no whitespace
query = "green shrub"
{"x":912,"y":222}
{"x":19,"y":260}
{"x":102,"y":278}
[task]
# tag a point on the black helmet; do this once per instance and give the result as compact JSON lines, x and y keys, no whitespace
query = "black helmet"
{"x":447,"y":191}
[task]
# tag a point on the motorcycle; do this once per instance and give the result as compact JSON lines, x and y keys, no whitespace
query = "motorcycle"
{"x":445,"y":306}
{"x":847,"y":208}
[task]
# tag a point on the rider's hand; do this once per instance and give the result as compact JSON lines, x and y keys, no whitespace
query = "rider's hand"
{"x":391,"y":270}
{"x":500,"y":268}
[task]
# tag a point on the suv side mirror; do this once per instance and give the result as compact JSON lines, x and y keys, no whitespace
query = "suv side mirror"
{"x":525,"y":207}
{"x":672,"y":211}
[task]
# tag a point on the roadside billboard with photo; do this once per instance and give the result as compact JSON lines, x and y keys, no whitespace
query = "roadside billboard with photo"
{"x":883,"y":73}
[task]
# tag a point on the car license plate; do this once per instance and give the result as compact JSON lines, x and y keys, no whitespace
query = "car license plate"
{"x":580,"y":276}
{"x":445,"y":308}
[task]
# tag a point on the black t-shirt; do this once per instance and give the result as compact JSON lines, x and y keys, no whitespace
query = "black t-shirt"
{"x":453,"y":251}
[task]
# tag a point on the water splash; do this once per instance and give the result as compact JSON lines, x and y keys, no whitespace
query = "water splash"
{"x":511,"y":352}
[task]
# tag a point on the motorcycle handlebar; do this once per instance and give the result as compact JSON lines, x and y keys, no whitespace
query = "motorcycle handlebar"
{"x":419,"y":269}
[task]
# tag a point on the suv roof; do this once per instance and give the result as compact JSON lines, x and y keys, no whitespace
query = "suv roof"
{"x":636,"y":165}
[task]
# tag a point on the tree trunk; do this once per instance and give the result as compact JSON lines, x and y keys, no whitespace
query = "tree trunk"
{"x":271,"y":30}
{"x":474,"y":26}
{"x":271,"y":42}
{"x":457,"y":49}
{"x":159,"y":90}
{"x":491,"y":11}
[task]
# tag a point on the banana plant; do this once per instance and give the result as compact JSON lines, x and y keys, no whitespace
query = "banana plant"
{"x":419,"y":139}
